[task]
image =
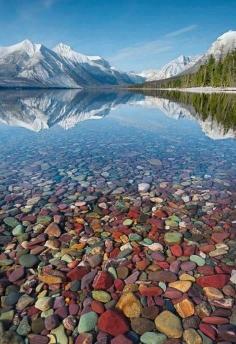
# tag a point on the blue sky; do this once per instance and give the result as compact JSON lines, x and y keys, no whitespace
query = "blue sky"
{"x":131,"y":34}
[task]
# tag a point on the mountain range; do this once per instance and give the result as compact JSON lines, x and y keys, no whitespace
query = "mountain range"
{"x":30,"y":65}
{"x":186,"y":64}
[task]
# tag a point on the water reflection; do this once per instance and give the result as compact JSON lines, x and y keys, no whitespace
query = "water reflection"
{"x":38,"y":110}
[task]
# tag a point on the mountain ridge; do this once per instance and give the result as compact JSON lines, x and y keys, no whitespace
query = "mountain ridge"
{"x":31,"y":65}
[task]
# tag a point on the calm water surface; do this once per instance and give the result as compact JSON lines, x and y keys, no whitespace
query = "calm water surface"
{"x":76,"y":137}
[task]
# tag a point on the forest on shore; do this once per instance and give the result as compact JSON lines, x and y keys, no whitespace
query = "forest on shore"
{"x":214,"y":73}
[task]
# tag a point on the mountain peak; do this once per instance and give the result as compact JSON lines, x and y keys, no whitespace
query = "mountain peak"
{"x":228,"y":35}
{"x":223,"y":44}
{"x":62,"y":48}
{"x":26,"y":45}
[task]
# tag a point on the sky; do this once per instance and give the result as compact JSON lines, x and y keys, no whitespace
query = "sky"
{"x":132,"y":34}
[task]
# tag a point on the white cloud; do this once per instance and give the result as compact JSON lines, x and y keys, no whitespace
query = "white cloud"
{"x":151,"y":47}
{"x":181,"y":31}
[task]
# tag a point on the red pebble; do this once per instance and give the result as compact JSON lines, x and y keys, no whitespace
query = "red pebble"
{"x":215,"y":320}
{"x":16,"y":274}
{"x":103,"y":280}
{"x":206,"y":270}
{"x":163,"y":265}
{"x":219,"y":237}
{"x":176,"y":250}
{"x":150,"y":291}
{"x":84,"y":338}
{"x":113,"y":323}
{"x":121,"y":339}
{"x":161,"y":214}
{"x":133,"y":213}
{"x":97,"y":307}
{"x":114,"y":253}
{"x":119,"y":284}
{"x":215,"y":281}
{"x":77,"y":273}
{"x":188,"y":250}
{"x":208,"y":330}
{"x":36,"y":339}
{"x":207,"y":248}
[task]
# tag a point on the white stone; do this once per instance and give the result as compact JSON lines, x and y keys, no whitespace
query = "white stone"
{"x":143,"y":187}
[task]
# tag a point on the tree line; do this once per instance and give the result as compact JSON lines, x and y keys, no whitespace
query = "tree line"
{"x":215,"y":73}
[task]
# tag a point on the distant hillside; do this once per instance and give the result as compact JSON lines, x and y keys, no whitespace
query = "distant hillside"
{"x":215,"y":73}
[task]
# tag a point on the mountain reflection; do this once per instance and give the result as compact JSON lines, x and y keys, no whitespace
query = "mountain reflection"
{"x":41,"y":109}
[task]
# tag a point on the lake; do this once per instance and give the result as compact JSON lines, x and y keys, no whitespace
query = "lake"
{"x":104,"y":192}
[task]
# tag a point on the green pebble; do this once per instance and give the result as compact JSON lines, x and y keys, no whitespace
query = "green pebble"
{"x":173,"y":238}
{"x":175,"y":218}
{"x":87,"y":322}
{"x":135,"y":237}
{"x":197,"y":259}
{"x":125,"y":253}
{"x":147,"y":241}
{"x":11,"y":222}
{"x":44,"y":220}
{"x":24,"y":327}
{"x":127,"y":222}
{"x":18,"y":230}
{"x":7,"y":316}
{"x":153,"y":338}
{"x":171,"y":223}
{"x":100,"y":295}
{"x":28,"y":260}
{"x":6,"y":262}
{"x":59,"y":333}
{"x":112,"y":271}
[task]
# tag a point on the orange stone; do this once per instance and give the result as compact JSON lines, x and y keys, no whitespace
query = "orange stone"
{"x":53,"y":230}
{"x":142,"y":264}
{"x":79,"y":246}
{"x":49,"y":279}
{"x":213,"y":293}
{"x":130,"y":305}
{"x":182,"y":286}
{"x":185,"y":308}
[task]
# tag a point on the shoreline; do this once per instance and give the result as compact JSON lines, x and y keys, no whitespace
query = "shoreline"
{"x":193,"y":89}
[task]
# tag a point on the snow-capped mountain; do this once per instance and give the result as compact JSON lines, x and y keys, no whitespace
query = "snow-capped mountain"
{"x":223,"y":45}
{"x":33,"y":65}
{"x":186,"y":64}
{"x":219,"y":48}
{"x":171,"y":69}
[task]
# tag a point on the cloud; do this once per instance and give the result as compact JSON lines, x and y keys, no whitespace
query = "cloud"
{"x":144,"y":49}
{"x":181,"y":31}
{"x":142,"y":52}
{"x":48,"y":3}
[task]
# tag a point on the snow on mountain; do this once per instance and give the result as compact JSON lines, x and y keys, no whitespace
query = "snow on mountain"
{"x":26,"y":64}
{"x":185,"y":64}
{"x":223,"y":45}
{"x":32,"y":65}
{"x":171,"y":69}
{"x":218,"y":49}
